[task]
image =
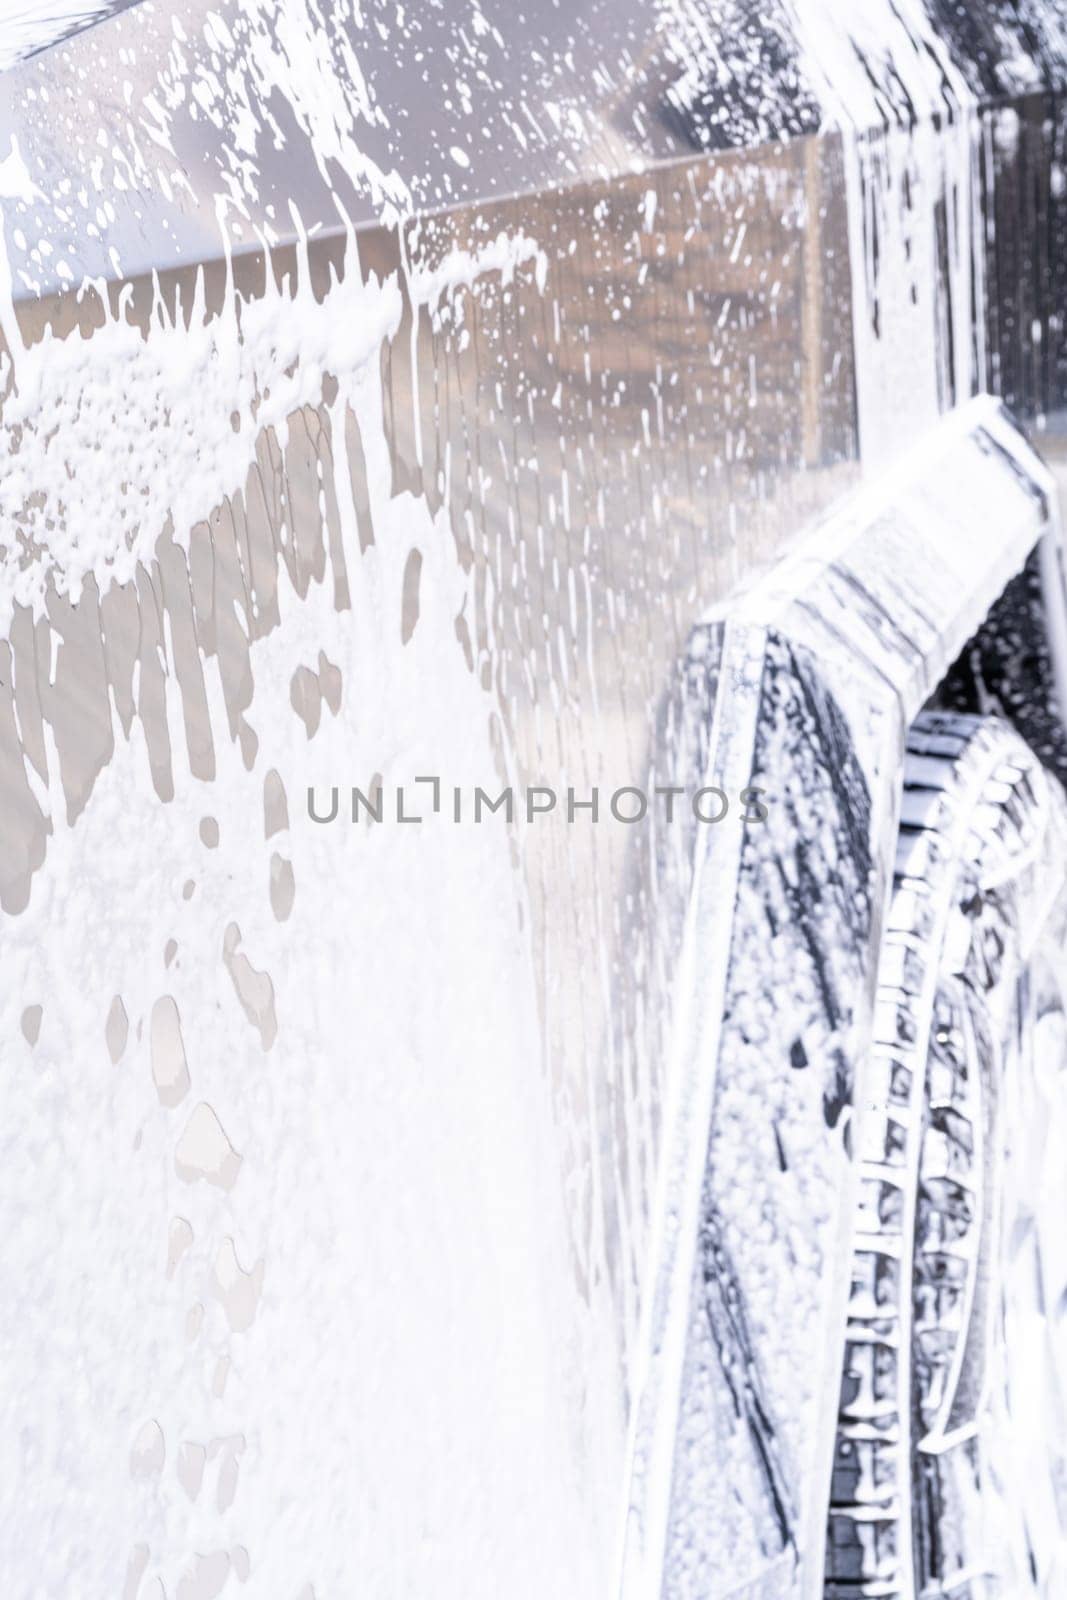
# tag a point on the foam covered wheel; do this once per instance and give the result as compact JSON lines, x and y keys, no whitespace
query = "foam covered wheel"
{"x":950,"y":1477}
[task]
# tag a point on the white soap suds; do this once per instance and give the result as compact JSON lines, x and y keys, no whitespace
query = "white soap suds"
{"x":338,"y":1233}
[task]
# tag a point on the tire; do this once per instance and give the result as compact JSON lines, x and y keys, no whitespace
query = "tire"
{"x":948,"y":1480}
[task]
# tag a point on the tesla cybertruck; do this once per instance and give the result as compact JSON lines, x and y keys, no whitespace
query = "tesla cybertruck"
{"x":533,"y":853}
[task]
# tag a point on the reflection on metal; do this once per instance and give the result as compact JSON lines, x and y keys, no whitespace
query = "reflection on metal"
{"x":394,"y":382}
{"x":920,"y":1503}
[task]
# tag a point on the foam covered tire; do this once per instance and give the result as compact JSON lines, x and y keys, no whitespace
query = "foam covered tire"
{"x":949,"y":1474}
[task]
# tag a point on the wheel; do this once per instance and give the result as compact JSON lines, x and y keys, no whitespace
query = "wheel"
{"x":949,"y":1474}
